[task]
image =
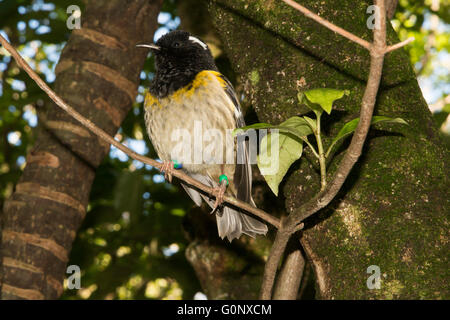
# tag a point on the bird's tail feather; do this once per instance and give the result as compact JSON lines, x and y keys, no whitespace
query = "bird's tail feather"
{"x":232,"y":224}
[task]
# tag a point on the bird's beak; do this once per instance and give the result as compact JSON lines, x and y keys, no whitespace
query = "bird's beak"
{"x":150,"y":46}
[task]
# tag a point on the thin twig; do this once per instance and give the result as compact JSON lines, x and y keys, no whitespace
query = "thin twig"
{"x":312,"y":148}
{"x":399,"y":45}
{"x":340,"y":30}
{"x":328,"y":24}
{"x":104,"y":136}
{"x":377,"y":51}
{"x":322,"y":160}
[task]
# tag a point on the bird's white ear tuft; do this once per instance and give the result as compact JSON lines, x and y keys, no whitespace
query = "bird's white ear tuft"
{"x":194,"y":39}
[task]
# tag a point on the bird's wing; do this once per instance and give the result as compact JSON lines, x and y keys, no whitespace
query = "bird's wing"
{"x":231,"y":222}
{"x":243,"y":172}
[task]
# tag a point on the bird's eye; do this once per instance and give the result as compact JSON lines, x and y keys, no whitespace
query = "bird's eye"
{"x":176,"y":44}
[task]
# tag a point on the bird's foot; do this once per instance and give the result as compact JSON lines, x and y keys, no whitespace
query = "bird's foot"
{"x":167,"y":168}
{"x":219,"y":192}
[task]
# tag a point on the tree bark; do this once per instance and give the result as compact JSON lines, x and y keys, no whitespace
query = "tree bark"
{"x":393,"y":209}
{"x":291,"y":273}
{"x":98,"y":74}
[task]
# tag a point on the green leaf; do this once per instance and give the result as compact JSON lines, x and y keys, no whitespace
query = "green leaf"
{"x":311,"y":122}
{"x":259,"y":125}
{"x":274,"y":165}
{"x":350,"y":127}
{"x":314,"y":107}
{"x":275,"y":160}
{"x":324,"y":97}
{"x":295,"y":125}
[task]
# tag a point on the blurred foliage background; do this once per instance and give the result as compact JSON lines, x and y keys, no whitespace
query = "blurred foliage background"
{"x":131,"y":244}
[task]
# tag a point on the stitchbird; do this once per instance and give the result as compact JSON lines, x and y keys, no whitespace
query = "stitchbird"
{"x":190,"y":111}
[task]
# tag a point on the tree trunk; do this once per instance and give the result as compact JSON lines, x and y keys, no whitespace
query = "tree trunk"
{"x":98,"y":74}
{"x":393,"y":209}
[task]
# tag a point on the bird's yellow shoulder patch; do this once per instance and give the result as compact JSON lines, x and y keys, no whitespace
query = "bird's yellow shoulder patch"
{"x":216,"y":75}
{"x":151,"y":101}
{"x":202,"y":79}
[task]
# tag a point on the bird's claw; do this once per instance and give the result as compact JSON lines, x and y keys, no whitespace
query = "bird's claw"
{"x":167,"y":168}
{"x":219,"y":192}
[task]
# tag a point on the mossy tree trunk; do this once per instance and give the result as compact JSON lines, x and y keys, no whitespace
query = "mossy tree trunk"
{"x":98,"y":74}
{"x":393,"y":210}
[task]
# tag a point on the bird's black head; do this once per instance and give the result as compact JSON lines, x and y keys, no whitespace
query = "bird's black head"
{"x":178,"y":58}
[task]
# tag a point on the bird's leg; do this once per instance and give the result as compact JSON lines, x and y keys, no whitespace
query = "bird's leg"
{"x":220,"y":191}
{"x":167,"y":168}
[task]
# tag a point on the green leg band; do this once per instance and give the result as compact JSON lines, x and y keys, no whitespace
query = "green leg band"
{"x":223,"y":177}
{"x":177,"y":165}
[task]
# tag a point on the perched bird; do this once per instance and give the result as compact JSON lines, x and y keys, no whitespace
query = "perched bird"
{"x":190,"y":111}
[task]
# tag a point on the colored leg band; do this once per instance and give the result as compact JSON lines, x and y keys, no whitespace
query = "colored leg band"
{"x":177,"y":165}
{"x":223,"y":177}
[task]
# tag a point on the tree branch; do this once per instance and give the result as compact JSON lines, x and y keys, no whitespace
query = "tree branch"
{"x":270,"y":269}
{"x":391,"y":6}
{"x":288,"y":282}
{"x":377,"y":51}
{"x":104,"y":136}
{"x":399,"y":45}
{"x":328,"y":24}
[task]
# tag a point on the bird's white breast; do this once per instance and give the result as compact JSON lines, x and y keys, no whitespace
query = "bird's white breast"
{"x":193,"y":125}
